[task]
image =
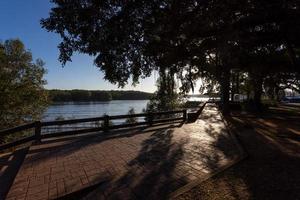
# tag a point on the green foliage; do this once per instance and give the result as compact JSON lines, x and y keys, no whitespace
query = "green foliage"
{"x":164,"y":103}
{"x":100,"y":96}
{"x":96,"y":95}
{"x":129,"y":95}
{"x":12,"y":137}
{"x":165,"y":98}
{"x":23,"y":97}
{"x":131,"y":120}
{"x":80,"y":95}
{"x":191,"y":39}
{"x":102,"y":124}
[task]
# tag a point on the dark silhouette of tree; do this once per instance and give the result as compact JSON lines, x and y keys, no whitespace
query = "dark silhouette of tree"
{"x":192,"y":39}
{"x":166,"y":97}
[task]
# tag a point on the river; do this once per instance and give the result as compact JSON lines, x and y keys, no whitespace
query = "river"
{"x":75,"y":110}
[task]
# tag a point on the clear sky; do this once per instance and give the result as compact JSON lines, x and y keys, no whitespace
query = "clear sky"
{"x":21,"y":19}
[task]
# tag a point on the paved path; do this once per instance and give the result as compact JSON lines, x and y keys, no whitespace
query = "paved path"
{"x":145,"y":164}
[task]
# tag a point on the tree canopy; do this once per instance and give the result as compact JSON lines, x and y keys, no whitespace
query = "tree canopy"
{"x":23,"y":97}
{"x":191,"y":39}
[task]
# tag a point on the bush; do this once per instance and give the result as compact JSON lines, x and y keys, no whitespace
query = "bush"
{"x":131,"y":120}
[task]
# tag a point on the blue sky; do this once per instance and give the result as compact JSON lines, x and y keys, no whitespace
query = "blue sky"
{"x":20,"y":19}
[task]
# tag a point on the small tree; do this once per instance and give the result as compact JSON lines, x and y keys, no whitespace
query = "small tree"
{"x":165,"y":98}
{"x":23,"y":97}
{"x":131,"y":120}
{"x":102,"y":124}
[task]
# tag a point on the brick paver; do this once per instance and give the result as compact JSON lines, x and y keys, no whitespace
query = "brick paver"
{"x":144,"y":164}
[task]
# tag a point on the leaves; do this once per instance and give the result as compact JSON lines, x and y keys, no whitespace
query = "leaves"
{"x":194,"y":39}
{"x":23,"y":97}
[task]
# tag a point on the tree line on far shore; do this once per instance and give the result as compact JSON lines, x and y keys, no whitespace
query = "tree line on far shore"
{"x":96,"y":95}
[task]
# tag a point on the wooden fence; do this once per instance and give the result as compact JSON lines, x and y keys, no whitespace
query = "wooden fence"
{"x":151,"y":119}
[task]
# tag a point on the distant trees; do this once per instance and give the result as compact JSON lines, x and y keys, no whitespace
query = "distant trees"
{"x":129,"y":95}
{"x":96,"y":95}
{"x":80,"y":95}
{"x":100,"y":96}
{"x":212,"y":40}
{"x":59,"y":95}
{"x":22,"y":94}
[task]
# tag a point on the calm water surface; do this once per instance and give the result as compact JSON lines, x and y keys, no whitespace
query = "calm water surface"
{"x":75,"y":110}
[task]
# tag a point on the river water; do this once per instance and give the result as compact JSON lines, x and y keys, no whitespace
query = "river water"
{"x":76,"y":110}
{"x":79,"y":110}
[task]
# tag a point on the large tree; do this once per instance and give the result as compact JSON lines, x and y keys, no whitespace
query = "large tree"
{"x":190,"y":38}
{"x":23,"y":97}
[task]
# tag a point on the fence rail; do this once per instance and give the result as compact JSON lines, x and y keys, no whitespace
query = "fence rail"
{"x":105,"y":126}
{"x":17,"y":129}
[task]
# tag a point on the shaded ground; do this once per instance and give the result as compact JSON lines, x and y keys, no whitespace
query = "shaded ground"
{"x":271,"y":170}
{"x":9,"y":165}
{"x":141,"y":164}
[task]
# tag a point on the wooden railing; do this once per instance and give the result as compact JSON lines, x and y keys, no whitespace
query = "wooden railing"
{"x":152,"y":118}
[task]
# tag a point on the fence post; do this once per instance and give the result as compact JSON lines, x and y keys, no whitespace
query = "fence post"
{"x":37,"y":131}
{"x":106,"y":123}
{"x":150,"y":118}
{"x":184,"y":115}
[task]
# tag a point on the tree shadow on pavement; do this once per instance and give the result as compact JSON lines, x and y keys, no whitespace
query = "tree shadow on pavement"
{"x":9,"y":166}
{"x":271,"y":170}
{"x":150,"y":174}
{"x":159,"y":162}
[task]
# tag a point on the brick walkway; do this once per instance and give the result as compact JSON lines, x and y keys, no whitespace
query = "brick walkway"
{"x":144,"y":164}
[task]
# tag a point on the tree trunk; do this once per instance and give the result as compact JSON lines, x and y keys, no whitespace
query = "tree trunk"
{"x":225,"y":86}
{"x":277,"y":95}
{"x":237,"y":82}
{"x":232,"y":86}
{"x":257,"y":92}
